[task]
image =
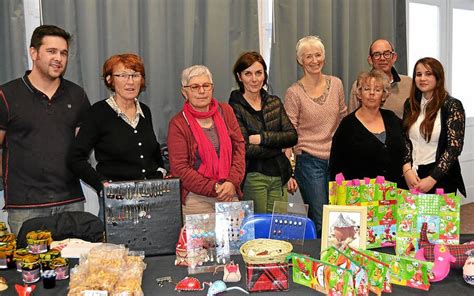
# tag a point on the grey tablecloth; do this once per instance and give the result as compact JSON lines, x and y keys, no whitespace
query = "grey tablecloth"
{"x":164,"y":266}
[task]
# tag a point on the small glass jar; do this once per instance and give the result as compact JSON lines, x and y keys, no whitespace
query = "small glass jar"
{"x":61,"y":266}
{"x":45,"y":258}
{"x":6,"y":256}
{"x":30,"y":269}
{"x":49,"y":279}
{"x":38,"y":241}
{"x":18,"y":257}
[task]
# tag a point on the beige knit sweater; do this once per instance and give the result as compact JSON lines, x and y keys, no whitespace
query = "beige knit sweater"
{"x":315,"y":123}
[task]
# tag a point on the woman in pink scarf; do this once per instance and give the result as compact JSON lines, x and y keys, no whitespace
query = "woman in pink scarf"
{"x":206,"y":147}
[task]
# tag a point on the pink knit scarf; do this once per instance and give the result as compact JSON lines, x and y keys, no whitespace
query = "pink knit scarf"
{"x":216,"y":168}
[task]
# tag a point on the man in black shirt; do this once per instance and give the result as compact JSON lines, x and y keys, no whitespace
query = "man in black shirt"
{"x":39,"y":115}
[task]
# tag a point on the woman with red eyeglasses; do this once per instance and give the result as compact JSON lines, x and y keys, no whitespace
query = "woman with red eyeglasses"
{"x":206,"y":148}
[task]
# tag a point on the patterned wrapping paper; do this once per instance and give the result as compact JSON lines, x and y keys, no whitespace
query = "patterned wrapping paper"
{"x":267,"y":277}
{"x":405,"y":271}
{"x":335,"y":257}
{"x":321,"y":276}
{"x":377,"y":271}
{"x":441,"y":212}
{"x":380,"y":197}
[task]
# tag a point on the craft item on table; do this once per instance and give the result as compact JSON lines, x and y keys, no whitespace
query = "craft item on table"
{"x":49,"y":279}
{"x":355,"y":192}
{"x":468,"y":268}
{"x":189,"y":284}
{"x":38,"y":241}
{"x":321,"y":276}
{"x":24,"y":290}
{"x":233,"y":214}
{"x":30,"y":269}
{"x":263,"y":251}
{"x":8,"y":239}
{"x":3,"y":228}
{"x":267,"y":277}
{"x":405,"y":271}
{"x":458,"y":251}
{"x":206,"y":246}
{"x":442,"y":262}
{"x":6,"y":256}
{"x":335,"y":257}
{"x":61,"y":266}
{"x":441,"y":212}
{"x":18,"y":257}
{"x":73,"y":247}
{"x":133,"y":209}
{"x":45,"y":258}
{"x":162,"y":280}
{"x":181,"y":249}
{"x":231,"y":272}
{"x":218,"y":287}
{"x":379,"y":196}
{"x":377,"y":271}
{"x":288,"y":227}
{"x":3,"y":284}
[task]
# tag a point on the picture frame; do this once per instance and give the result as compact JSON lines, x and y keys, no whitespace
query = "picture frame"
{"x":344,"y":226}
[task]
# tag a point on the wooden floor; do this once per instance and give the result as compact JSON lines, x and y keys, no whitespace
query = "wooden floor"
{"x":467,"y":218}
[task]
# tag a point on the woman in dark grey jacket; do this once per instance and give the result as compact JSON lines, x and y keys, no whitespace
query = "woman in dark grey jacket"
{"x":266,"y":130}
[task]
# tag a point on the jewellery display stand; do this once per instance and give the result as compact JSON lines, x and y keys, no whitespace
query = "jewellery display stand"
{"x":207,"y":245}
{"x":143,"y":215}
{"x":289,"y":222}
{"x":233,"y":214}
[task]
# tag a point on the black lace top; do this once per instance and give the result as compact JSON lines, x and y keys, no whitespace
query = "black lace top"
{"x":451,"y":139}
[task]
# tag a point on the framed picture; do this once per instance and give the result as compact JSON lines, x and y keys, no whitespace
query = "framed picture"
{"x":344,"y":226}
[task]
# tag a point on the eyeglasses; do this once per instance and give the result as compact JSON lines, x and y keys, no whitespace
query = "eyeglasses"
{"x":196,"y":87}
{"x":386,"y":54}
{"x":126,"y":76}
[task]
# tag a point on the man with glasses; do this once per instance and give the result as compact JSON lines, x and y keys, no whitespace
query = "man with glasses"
{"x":39,"y":115}
{"x":382,"y":57}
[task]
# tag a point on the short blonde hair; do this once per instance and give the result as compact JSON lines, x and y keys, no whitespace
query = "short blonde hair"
{"x":379,"y":76}
{"x":307,"y":42}
{"x":194,"y":71}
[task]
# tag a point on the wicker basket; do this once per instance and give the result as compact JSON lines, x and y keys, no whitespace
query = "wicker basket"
{"x":262,"y":251}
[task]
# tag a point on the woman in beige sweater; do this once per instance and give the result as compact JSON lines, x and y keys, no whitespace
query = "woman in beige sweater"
{"x":315,"y":105}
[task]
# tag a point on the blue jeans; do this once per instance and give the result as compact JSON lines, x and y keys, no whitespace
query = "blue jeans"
{"x":312,"y":175}
{"x":16,"y":217}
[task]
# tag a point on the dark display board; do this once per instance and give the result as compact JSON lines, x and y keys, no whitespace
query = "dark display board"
{"x":143,"y":215}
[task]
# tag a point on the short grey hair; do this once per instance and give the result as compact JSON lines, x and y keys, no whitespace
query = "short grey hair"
{"x":380,"y":77}
{"x":194,"y":71}
{"x":307,"y":42}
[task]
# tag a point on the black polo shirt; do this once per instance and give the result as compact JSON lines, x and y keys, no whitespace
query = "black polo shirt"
{"x":38,"y":133}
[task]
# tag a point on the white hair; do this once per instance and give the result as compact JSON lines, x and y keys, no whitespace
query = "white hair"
{"x":307,"y":42}
{"x":194,"y":71}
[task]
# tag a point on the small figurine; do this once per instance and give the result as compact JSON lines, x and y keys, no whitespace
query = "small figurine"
{"x":24,"y":290}
{"x":218,"y":287}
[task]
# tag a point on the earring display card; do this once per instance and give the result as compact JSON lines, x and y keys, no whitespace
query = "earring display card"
{"x":233,"y":213}
{"x":289,"y":221}
{"x":207,"y":246}
{"x":143,"y":215}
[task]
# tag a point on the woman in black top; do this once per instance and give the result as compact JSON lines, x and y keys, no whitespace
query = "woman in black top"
{"x":119,"y":129}
{"x":369,"y":141}
{"x":266,"y":130}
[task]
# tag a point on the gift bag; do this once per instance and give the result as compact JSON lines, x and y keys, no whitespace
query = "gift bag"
{"x":440,"y":212}
{"x":267,"y":277}
{"x":231,"y":272}
{"x":380,"y":197}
